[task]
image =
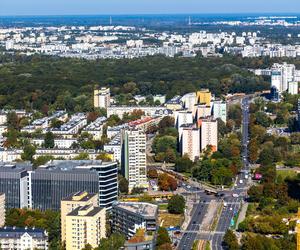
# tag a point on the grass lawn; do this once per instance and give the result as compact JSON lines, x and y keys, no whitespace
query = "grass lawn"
{"x":286,"y":173}
{"x":170,"y":219}
{"x":163,"y":206}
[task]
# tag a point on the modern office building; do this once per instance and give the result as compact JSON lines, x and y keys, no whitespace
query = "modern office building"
{"x":14,"y":184}
{"x":68,"y":204}
{"x":127,"y":217}
{"x":209,"y":134}
{"x":190,"y":143}
{"x":23,"y":238}
{"x":293,"y":88}
{"x":134,"y":158}
{"x":220,"y":110}
{"x":204,"y":96}
{"x":58,"y":179}
{"x":85,"y":225}
{"x":102,"y":98}
{"x":2,"y":209}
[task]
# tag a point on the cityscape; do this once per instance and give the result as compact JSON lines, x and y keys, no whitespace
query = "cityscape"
{"x":174,"y":131}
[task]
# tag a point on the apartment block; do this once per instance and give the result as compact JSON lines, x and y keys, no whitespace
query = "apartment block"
{"x":204,"y":96}
{"x":85,"y":225}
{"x":134,"y":158}
{"x":209,"y":134}
{"x":190,"y":143}
{"x":23,"y":238}
{"x":102,"y":98}
{"x":68,"y":204}
{"x":2,"y":209}
{"x":128,"y":217}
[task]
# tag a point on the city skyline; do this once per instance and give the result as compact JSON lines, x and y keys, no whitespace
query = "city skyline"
{"x":133,"y":7}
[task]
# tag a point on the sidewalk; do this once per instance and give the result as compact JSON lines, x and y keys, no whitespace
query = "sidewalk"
{"x":242,"y":214}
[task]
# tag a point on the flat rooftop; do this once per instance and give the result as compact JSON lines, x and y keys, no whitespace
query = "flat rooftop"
{"x":86,"y":211}
{"x":141,"y":208}
{"x":79,"y":196}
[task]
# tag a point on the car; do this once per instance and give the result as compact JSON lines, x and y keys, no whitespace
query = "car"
{"x":194,"y":222}
{"x":241,"y":181}
{"x":230,"y":209}
{"x":188,"y":186}
{"x":225,"y":204}
{"x":235,"y":195}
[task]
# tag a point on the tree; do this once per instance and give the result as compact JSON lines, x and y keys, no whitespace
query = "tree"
{"x":183,"y":164}
{"x":82,"y":156}
{"x":162,"y":236}
{"x":166,"y":122}
{"x":12,"y":121}
{"x":28,"y":153}
{"x":55,"y":123}
{"x":176,"y":204}
{"x":87,"y":247}
{"x":115,"y":241}
{"x":49,"y":140}
{"x":152,"y":174}
{"x":41,"y":160}
{"x":230,"y":240}
{"x":123,"y":184}
{"x":166,"y":246}
{"x":253,"y":150}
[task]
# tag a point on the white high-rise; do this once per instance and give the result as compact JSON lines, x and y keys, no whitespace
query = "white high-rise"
{"x":281,"y":75}
{"x":134,"y":158}
{"x":293,"y":88}
{"x":191,"y":142}
{"x":220,"y":110}
{"x":102,"y":98}
{"x":209,"y":134}
{"x":189,"y":100}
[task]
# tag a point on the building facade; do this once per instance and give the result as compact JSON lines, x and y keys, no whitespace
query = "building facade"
{"x":102,"y":98}
{"x":23,"y":238}
{"x":134,"y":158}
{"x":59,"y":179}
{"x":127,"y":217}
{"x":68,"y":204}
{"x":14,"y":184}
{"x":191,"y":142}
{"x":2,"y":209}
{"x":85,"y":225}
{"x":209,"y":134}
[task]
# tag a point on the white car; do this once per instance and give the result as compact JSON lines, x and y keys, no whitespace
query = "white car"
{"x":235,"y":195}
{"x":241,"y":181}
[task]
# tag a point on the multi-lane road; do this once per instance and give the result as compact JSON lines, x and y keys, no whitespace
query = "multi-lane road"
{"x":231,"y":204}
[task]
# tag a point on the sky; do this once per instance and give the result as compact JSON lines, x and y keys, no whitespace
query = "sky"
{"x":115,"y":7}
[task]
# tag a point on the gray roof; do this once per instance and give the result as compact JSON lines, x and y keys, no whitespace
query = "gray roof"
{"x":17,"y":232}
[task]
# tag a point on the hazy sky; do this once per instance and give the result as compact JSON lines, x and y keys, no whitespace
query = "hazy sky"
{"x":61,"y":7}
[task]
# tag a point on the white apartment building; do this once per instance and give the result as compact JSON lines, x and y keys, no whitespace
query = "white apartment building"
{"x":282,"y":74}
{"x":2,"y":209}
{"x":293,"y":88}
{"x":209,"y":134}
{"x":115,"y":146}
{"x":202,"y":111}
{"x":58,"y":143}
{"x":96,"y":128}
{"x":182,"y":117}
{"x":220,"y":110}
{"x":85,"y":225}
{"x":134,"y":158}
{"x":160,"y":98}
{"x":189,"y":100}
{"x":102,"y":98}
{"x":148,"y":110}
{"x":72,"y":127}
{"x":23,"y":238}
{"x":190,"y":142}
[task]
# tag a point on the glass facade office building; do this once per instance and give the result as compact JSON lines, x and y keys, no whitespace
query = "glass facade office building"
{"x":59,"y":179}
{"x":14,"y":183}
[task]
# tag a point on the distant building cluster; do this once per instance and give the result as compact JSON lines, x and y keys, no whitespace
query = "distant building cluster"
{"x":92,"y":42}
